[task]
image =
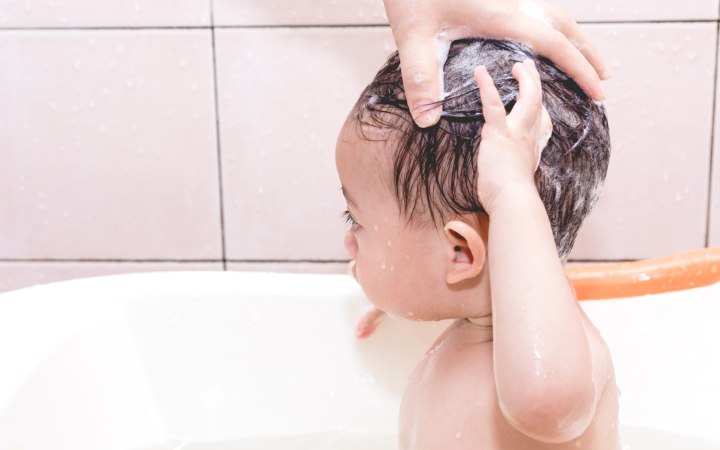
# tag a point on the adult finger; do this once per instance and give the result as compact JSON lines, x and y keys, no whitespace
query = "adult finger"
{"x":492,"y":105}
{"x":563,"y":22}
{"x":551,"y":43}
{"x":421,"y":76}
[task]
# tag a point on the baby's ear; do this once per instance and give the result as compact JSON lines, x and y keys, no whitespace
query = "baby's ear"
{"x":466,"y":251}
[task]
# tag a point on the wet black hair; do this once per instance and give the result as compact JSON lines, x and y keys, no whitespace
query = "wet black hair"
{"x":434,"y":170}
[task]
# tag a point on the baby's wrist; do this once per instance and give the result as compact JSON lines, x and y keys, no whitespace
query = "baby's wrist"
{"x":514,"y":195}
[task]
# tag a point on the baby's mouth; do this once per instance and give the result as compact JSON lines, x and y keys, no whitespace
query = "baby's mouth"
{"x":351,"y":269}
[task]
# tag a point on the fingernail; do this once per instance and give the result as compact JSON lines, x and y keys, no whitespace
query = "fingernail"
{"x":606,"y":74}
{"x":426,"y":115}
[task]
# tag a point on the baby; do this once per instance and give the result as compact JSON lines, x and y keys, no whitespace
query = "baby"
{"x":472,"y":219}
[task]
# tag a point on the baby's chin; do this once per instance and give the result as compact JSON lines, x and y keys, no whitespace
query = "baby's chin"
{"x":409,"y":313}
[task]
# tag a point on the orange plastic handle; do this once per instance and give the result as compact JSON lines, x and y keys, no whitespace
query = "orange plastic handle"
{"x":648,"y":276}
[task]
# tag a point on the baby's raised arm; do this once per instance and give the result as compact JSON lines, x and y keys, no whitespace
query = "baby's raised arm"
{"x":542,"y":356}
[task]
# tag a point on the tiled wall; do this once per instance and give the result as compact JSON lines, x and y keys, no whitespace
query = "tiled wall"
{"x":140,"y":135}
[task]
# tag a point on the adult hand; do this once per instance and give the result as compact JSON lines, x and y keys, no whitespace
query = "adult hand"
{"x":418,"y":25}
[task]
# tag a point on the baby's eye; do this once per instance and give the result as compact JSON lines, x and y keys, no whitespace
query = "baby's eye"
{"x":354,"y":225}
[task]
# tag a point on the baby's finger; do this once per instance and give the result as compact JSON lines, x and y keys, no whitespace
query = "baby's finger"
{"x":546,"y":129}
{"x":526,"y":111}
{"x":492,"y":105}
{"x":368,"y":322}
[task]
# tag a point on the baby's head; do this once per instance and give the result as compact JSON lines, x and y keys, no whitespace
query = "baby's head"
{"x":413,"y":191}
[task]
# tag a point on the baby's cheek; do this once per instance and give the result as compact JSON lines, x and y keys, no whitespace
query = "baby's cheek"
{"x":351,"y":244}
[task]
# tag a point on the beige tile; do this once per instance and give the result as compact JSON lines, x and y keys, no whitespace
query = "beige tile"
{"x":284,"y":94}
{"x":106,"y":13}
{"x":298,"y":12}
{"x":289,"y":267}
{"x":17,"y":275}
{"x":625,"y":10}
{"x":659,"y":107}
{"x":325,"y":12}
{"x":108,"y":145}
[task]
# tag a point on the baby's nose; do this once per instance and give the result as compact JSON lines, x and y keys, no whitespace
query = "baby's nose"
{"x":351,"y":244}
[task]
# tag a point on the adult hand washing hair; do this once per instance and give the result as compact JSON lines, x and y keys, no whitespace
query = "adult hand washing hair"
{"x":423,"y":29}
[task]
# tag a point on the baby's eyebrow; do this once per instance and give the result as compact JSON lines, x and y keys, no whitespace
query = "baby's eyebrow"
{"x":347,"y":195}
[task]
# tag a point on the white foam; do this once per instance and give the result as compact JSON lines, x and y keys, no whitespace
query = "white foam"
{"x":442,"y":48}
{"x":533,"y":9}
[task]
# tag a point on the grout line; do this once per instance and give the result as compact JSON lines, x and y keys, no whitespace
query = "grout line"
{"x":104,"y":260}
{"x":253,"y":261}
{"x":347,"y":25}
{"x":111,"y":28}
{"x":291,"y":261}
{"x":712,"y":140}
{"x":600,"y":261}
{"x":217,"y":137}
{"x":647,"y":21}
{"x":181,"y":261}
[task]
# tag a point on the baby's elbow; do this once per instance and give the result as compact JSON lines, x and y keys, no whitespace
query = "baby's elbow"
{"x":553,"y":414}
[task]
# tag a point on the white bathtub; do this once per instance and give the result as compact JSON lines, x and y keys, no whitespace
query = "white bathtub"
{"x":227,"y":360}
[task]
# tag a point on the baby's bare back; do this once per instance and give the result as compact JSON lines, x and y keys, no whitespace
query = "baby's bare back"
{"x":451,"y":401}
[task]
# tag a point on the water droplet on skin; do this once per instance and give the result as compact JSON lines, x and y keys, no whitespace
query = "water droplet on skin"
{"x":458,"y":434}
{"x":389,"y":243}
{"x":376,"y":228}
{"x":382,"y":266}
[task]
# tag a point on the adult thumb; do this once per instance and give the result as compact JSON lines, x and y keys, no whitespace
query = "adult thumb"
{"x":421,"y":77}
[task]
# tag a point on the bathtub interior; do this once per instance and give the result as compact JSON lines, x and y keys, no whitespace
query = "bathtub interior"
{"x":220,"y":360}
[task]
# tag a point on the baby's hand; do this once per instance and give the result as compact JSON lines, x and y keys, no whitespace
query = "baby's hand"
{"x":368,"y":322}
{"x":510,"y":145}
